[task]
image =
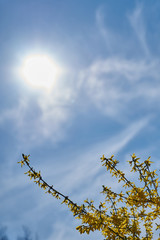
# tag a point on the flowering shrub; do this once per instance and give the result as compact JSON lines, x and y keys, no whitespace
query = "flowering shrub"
{"x":141,"y":205}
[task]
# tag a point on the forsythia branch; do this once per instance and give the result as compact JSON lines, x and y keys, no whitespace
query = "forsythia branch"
{"x":122,"y":222}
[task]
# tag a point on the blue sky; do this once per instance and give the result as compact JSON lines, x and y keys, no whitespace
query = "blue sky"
{"x":106,"y":101}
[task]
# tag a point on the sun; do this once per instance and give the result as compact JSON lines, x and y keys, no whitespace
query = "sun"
{"x":40,"y":71}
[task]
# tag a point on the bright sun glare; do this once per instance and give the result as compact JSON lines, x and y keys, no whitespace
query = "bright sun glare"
{"x":40,"y":71}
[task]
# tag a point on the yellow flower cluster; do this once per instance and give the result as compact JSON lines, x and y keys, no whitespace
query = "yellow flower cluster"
{"x":137,"y":199}
{"x":141,"y":205}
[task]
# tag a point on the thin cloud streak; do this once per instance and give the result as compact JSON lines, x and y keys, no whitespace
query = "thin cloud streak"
{"x":106,"y":33}
{"x":136,"y":20}
{"x":88,"y":166}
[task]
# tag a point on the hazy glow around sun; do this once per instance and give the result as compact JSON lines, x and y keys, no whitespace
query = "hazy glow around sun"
{"x":40,"y":71}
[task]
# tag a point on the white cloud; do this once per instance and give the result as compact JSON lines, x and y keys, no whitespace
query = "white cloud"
{"x":42,"y":115}
{"x":107,"y":34}
{"x":130,"y":34}
{"x":116,"y":85}
{"x":137,"y":22}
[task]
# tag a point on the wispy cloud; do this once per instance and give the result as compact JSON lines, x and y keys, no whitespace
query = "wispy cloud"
{"x":118,"y":42}
{"x":115,"y":85}
{"x":107,"y":34}
{"x":137,"y":22}
{"x":41,"y":116}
